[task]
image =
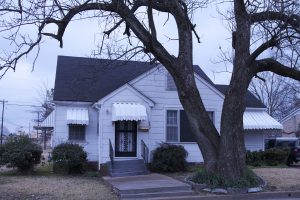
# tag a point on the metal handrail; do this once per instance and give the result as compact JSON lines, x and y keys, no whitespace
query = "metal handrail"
{"x":144,"y":151}
{"x":111,"y":153}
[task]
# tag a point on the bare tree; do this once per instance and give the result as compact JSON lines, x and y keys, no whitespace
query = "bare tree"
{"x":279,"y":94}
{"x":272,"y":24}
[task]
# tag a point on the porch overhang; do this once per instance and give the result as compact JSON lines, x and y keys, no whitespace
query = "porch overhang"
{"x":48,"y":123}
{"x":260,"y":120}
{"x":129,"y":112}
{"x":78,"y":116}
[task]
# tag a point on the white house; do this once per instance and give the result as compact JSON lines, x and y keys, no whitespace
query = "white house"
{"x":118,"y":108}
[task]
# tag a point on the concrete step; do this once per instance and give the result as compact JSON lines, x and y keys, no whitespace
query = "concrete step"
{"x":157,"y":194}
{"x":128,"y":162}
{"x":127,"y":168}
{"x":132,"y":173}
{"x":158,"y":189}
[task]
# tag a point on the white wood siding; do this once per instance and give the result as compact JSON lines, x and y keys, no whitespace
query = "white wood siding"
{"x":61,"y":131}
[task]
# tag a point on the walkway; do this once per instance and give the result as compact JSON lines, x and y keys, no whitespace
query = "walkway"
{"x":148,"y":186}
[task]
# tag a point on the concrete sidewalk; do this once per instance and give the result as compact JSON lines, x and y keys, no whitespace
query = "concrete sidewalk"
{"x":149,"y":186}
{"x":281,"y":195}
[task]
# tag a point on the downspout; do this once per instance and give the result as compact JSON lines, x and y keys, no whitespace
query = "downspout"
{"x":98,"y":108}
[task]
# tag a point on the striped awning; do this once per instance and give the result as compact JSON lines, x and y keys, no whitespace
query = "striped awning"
{"x":260,"y":120}
{"x":78,"y":116}
{"x":128,"y":112}
{"x":49,"y":121}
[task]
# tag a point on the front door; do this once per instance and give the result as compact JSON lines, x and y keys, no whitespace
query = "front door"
{"x":126,"y":136}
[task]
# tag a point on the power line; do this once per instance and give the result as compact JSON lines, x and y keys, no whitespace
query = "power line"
{"x":15,"y":104}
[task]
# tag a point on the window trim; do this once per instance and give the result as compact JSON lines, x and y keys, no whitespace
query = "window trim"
{"x":178,"y":109}
{"x":74,"y":140}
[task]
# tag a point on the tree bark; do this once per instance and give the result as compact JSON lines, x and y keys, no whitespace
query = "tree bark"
{"x":231,"y":157}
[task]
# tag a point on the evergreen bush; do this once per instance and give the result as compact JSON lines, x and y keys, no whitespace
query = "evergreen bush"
{"x":20,"y":152}
{"x":69,"y":158}
{"x":169,"y":158}
{"x":269,"y":157}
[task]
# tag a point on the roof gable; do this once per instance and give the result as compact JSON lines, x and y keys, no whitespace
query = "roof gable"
{"x":131,"y":89}
{"x":294,"y":112}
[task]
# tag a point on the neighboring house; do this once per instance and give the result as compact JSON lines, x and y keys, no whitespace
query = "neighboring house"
{"x":116,"y":108}
{"x":291,"y":123}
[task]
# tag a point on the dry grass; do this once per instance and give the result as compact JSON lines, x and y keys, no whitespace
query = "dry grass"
{"x":280,"y":179}
{"x":46,"y":186}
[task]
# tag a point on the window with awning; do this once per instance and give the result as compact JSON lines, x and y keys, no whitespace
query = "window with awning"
{"x":129,"y":112}
{"x":78,"y":116}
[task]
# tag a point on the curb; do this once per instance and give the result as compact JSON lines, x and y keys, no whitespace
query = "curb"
{"x":261,"y":195}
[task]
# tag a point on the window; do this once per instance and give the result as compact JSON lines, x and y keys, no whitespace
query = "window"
{"x":172,"y":126}
{"x":76,"y":132}
{"x":178,"y":127}
{"x":170,"y":84}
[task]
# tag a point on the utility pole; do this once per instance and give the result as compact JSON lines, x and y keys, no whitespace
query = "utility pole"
{"x":38,"y":124}
{"x":3,"y":102}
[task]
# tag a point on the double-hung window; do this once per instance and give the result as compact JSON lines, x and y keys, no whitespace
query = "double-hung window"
{"x":172,"y":126}
{"x":178,"y":127}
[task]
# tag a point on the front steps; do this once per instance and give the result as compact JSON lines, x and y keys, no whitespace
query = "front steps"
{"x":127,"y":168}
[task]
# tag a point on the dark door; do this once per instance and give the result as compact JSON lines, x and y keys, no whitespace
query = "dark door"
{"x":126,"y":136}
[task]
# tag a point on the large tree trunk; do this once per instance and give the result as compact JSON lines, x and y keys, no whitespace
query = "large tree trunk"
{"x":231,"y":157}
{"x":205,"y":133}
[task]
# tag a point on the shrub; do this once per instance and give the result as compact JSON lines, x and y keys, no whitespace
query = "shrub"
{"x":269,"y":157}
{"x":213,"y":180}
{"x":255,"y":158}
{"x":21,"y":152}
{"x":275,"y":157}
{"x":169,"y":158}
{"x":69,"y":158}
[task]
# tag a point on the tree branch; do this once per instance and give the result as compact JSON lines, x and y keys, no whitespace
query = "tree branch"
{"x":276,"y":67}
{"x":270,"y":43}
{"x":293,"y":20}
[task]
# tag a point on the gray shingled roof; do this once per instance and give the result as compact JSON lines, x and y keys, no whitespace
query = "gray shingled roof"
{"x":90,"y":79}
{"x":251,"y":100}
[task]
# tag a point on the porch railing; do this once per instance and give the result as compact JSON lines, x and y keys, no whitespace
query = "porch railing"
{"x":111,"y":153}
{"x":144,"y":151}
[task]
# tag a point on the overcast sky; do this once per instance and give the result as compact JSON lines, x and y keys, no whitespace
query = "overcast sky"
{"x":24,"y":87}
